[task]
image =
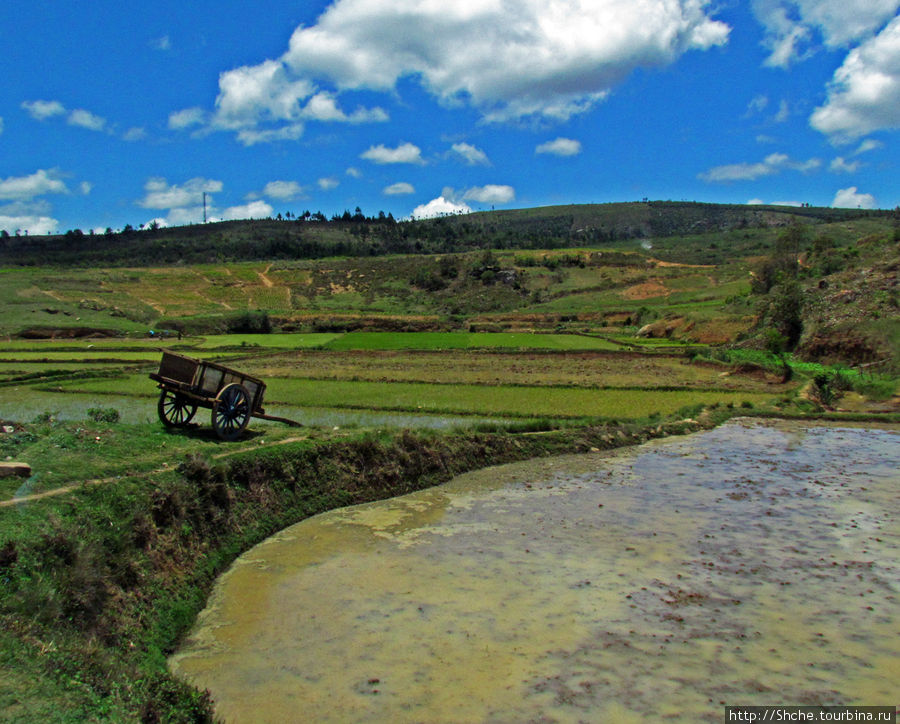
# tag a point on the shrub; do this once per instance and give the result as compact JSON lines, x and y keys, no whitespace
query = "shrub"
{"x":103,"y":414}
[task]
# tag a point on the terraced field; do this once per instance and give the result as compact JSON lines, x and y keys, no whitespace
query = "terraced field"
{"x":466,"y":376}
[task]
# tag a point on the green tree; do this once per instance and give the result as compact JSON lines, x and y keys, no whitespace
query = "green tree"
{"x":786,"y":310}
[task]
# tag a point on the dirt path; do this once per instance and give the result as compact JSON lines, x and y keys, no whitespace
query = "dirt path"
{"x":268,"y":283}
{"x":104,"y":481}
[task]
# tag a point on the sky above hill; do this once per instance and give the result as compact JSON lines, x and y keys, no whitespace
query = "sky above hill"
{"x":127,"y":112}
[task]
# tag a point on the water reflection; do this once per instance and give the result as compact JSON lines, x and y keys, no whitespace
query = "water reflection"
{"x":746,"y":565}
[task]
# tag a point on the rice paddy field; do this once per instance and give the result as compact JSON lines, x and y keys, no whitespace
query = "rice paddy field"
{"x":383,"y":379}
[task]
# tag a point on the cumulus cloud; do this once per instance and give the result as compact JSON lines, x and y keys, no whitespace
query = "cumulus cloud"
{"x":864,"y":94}
{"x":40,"y":183}
{"x":134,"y":134}
{"x":327,"y":183}
{"x":792,"y":26}
{"x":262,"y":92}
{"x":161,"y":195}
{"x":283,"y":190}
{"x":439,"y":207}
{"x":490,"y":194}
{"x":323,"y":107}
{"x":850,"y":198}
{"x":760,"y":202}
{"x":27,"y":223}
{"x":842,"y":165}
{"x":773,"y":163}
{"x":560,"y":147}
{"x":42,"y":110}
{"x":472,"y":155}
{"x":85,"y":119}
{"x":354,"y":172}
{"x":508,"y":59}
{"x":398,"y":189}
{"x":253,"y":210}
{"x":186,"y":118}
{"x":252,"y":136}
{"x":404,"y":153}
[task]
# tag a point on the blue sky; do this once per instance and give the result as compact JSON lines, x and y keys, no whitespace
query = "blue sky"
{"x":126,"y":112}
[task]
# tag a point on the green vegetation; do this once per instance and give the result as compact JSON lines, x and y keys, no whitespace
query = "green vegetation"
{"x":595,"y":326}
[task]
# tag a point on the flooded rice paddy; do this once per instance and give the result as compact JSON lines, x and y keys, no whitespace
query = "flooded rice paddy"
{"x":25,"y":404}
{"x":757,"y":563}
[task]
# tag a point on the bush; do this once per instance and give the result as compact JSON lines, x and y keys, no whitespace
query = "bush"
{"x":875,"y":388}
{"x":103,"y":414}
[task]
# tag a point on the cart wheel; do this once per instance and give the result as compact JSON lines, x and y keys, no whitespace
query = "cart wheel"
{"x":231,"y":411}
{"x":175,"y":410}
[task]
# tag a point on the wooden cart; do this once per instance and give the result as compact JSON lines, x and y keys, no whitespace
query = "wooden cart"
{"x":187,"y":383}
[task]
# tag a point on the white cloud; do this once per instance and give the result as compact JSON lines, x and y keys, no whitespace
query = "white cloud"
{"x":760,"y":202}
{"x":784,"y":112}
{"x":134,"y":134}
{"x":472,"y":155}
{"x":85,"y":187}
{"x":161,"y":195}
{"x":186,"y":118}
{"x":398,"y":189}
{"x":328,"y":183}
{"x":550,"y":58}
{"x":85,"y":119}
{"x":560,"y":147}
{"x":41,"y":110}
{"x":490,"y":194}
{"x":439,"y":207}
{"x":28,"y":224}
{"x":868,"y":145}
{"x":163,"y":43}
{"x":792,"y":25}
{"x":354,"y":172}
{"x":864,"y":94}
{"x":404,"y":153}
{"x":24,"y":188}
{"x":841,"y":165}
{"x":253,"y":210}
{"x":283,"y":190}
{"x":264,"y":92}
{"x":849,"y":198}
{"x":190,"y":215}
{"x":323,"y":107}
{"x":773,"y":163}
{"x":250,"y":136}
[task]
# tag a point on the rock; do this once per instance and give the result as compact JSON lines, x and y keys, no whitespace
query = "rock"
{"x":9,"y":470}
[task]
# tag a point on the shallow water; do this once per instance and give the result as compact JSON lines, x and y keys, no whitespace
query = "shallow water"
{"x":751,"y":564}
{"x":24,"y":404}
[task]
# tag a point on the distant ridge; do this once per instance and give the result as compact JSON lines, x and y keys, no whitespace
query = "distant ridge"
{"x":544,"y":227}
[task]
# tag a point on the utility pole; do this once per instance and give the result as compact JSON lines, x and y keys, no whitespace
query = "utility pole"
{"x":204,"y":207}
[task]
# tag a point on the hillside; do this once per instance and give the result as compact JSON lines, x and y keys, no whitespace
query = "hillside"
{"x":691,"y":282}
{"x":360,"y":236}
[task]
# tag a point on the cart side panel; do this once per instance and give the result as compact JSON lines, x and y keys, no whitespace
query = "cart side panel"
{"x":256,"y":389}
{"x":178,"y":368}
{"x":211,"y":380}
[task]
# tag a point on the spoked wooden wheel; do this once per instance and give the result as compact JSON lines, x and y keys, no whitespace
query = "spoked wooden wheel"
{"x":231,"y":411}
{"x":175,"y":410}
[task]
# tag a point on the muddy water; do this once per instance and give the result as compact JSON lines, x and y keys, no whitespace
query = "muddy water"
{"x":755,"y":563}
